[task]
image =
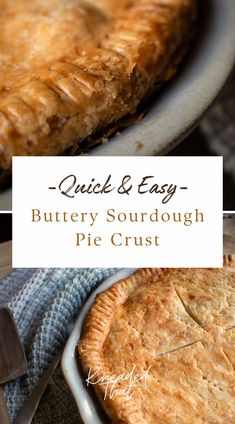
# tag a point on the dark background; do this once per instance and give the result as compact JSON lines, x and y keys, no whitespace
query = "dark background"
{"x":5,"y":227}
{"x":195,"y":145}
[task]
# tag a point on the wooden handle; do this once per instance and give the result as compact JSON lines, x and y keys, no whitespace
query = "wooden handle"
{"x":31,"y":404}
{"x":4,"y":414}
{"x":5,"y":259}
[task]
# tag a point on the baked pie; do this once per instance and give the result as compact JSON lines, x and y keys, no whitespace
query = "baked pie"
{"x":176,"y":327}
{"x":69,"y":68}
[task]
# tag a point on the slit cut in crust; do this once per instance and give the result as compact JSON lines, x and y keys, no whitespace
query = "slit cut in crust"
{"x":72,"y":68}
{"x":176,"y":328}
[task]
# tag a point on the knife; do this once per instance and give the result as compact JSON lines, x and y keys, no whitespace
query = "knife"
{"x":4,"y":414}
{"x":31,"y":404}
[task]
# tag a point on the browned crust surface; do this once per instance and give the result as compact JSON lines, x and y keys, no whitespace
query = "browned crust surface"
{"x":148,"y":320}
{"x":69,"y":69}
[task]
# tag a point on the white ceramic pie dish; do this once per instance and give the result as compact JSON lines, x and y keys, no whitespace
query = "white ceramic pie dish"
{"x":179,"y":106}
{"x":88,"y":406}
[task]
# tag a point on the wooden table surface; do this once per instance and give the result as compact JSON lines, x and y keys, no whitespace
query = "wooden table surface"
{"x":229,"y":235}
{"x":5,"y":259}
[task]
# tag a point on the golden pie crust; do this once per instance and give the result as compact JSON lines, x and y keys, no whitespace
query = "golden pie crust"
{"x":69,"y":68}
{"x":178,"y":325}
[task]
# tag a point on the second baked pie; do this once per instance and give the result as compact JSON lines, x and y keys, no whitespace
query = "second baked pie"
{"x":176,"y":325}
{"x":69,"y":68}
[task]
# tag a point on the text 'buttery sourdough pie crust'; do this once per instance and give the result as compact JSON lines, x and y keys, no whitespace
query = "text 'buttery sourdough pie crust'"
{"x":178,"y":325}
{"x":69,"y":68}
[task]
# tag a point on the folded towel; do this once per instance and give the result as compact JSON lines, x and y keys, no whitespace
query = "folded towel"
{"x":44,"y":303}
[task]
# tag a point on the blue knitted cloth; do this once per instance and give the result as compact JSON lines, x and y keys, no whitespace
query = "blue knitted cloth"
{"x":44,"y":303}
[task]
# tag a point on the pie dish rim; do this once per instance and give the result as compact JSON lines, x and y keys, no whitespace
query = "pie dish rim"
{"x":88,"y":406}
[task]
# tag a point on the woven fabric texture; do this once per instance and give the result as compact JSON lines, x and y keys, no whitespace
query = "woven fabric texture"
{"x":45,"y":303}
